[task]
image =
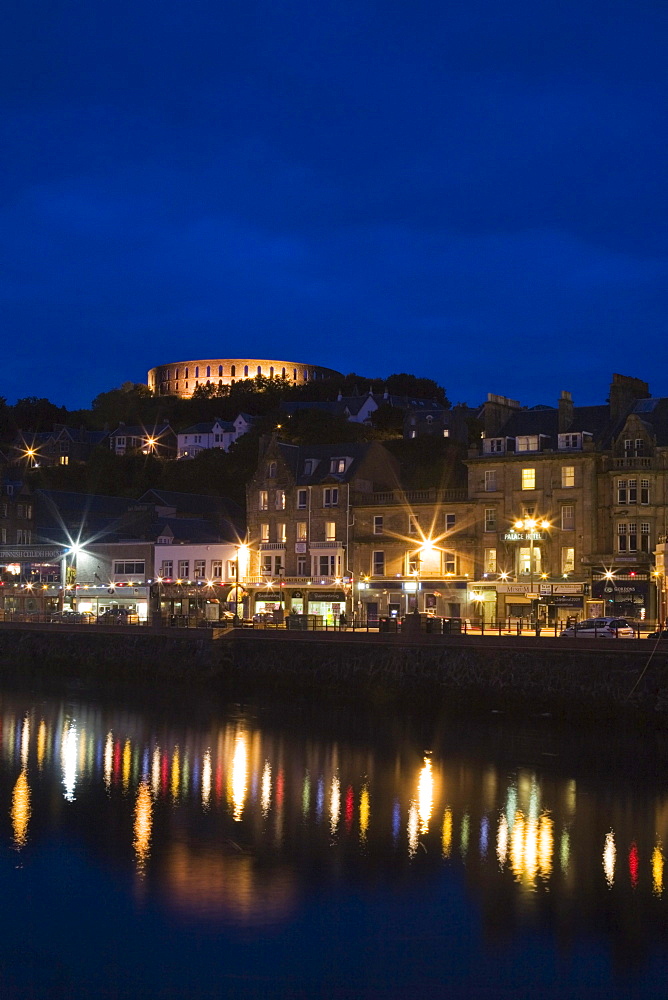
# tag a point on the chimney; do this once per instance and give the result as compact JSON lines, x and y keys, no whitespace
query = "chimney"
{"x":565,"y":411}
{"x":496,"y":412}
{"x":624,"y":392}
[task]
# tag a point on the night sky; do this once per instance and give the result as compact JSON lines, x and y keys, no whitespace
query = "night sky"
{"x":471,"y":191}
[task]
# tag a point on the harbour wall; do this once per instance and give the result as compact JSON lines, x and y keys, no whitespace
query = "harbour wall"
{"x":575,"y":680}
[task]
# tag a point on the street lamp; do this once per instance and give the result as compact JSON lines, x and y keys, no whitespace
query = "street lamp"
{"x":529,"y":525}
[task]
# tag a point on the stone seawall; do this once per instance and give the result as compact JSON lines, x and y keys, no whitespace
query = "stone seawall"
{"x":569,"y":681}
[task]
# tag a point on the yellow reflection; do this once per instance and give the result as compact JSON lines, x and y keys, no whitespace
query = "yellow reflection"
{"x":239,"y":775}
{"x":364,"y":812}
{"x":41,"y":744}
{"x":81,"y":764}
{"x":25,"y":742}
{"x":306,"y":795}
{"x":21,"y":810}
{"x":175,"y":774}
{"x":425,"y":795}
{"x":446,"y":833}
{"x":142,"y":826}
{"x":413,"y":829}
{"x":657,"y":870}
{"x":206,"y":779}
{"x":334,"y":805}
{"x":108,"y":758}
{"x":465,"y":834}
{"x":545,"y":845}
{"x":265,"y":799}
{"x":68,"y":754}
{"x":565,"y":850}
{"x":502,"y":840}
{"x":127,"y":760}
{"x":609,"y":857}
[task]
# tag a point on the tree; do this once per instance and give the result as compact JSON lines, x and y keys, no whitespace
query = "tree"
{"x":412,"y":385}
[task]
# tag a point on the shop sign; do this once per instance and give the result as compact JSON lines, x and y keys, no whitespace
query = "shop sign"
{"x":410,"y":587}
{"x":566,"y":601}
{"x":511,"y":588}
{"x":327,"y":597}
{"x":567,"y":588}
{"x":524,"y":536}
{"x":545,"y":589}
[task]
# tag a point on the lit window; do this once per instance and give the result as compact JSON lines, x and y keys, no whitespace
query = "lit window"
{"x":568,"y":559}
{"x":280,"y":499}
{"x":282,"y":531}
{"x":490,"y":561}
{"x":302,"y":531}
{"x":330,"y":531}
{"x":264,"y":500}
{"x":528,"y":479}
{"x":567,"y":476}
{"x":264,"y":532}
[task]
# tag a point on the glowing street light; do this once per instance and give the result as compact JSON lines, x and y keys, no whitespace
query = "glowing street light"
{"x":530,"y":525}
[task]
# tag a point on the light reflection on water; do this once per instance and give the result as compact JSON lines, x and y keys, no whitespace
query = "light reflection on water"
{"x":206,"y":805}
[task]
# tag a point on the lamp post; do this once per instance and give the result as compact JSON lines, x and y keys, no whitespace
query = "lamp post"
{"x":529,"y":525}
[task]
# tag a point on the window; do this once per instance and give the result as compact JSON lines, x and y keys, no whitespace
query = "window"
{"x":266,"y":565}
{"x":446,"y":432}
{"x":621,"y":537}
{"x":301,"y":565}
{"x":378,"y":564}
{"x":568,"y":517}
{"x":337,"y":465}
{"x":281,"y":531}
{"x":569,"y":441}
{"x":184,"y":569}
{"x":568,"y":559}
{"x":490,"y":518}
{"x":271,"y":470}
{"x":645,"y":537}
{"x":567,"y":476}
{"x":302,"y":499}
{"x":527,"y":443}
{"x":633,"y":491}
{"x":64,"y":460}
{"x":644,"y":491}
{"x":450,"y":522}
{"x":259,"y":369}
{"x":302,"y":531}
{"x":378,"y":524}
{"x":264,"y":500}
{"x":246,"y":370}
{"x":167,"y":568}
{"x":325,"y":565}
{"x":528,"y":479}
{"x":330,"y":497}
{"x":330,"y":531}
{"x":450,"y":563}
{"x":495,"y":446}
{"x":633,"y":536}
{"x":208,"y":371}
{"x":264,"y":532}
{"x":200,"y":569}
{"x":220,"y":369}
{"x":490,"y":561}
{"x":309,"y":466}
{"x":129,"y":568}
{"x":217,"y":569}
{"x":490,"y":480}
{"x":413,"y":524}
{"x":640,"y":446}
{"x":622,"y":487}
{"x":280,"y":499}
{"x":3,"y":536}
{"x":233,"y":370}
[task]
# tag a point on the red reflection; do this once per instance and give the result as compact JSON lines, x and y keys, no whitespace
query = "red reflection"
{"x":219,"y":783}
{"x":633,"y":864}
{"x":349,"y":807}
{"x":164,"y":774}
{"x":117,"y":758}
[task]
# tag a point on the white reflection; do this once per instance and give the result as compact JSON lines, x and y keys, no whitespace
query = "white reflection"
{"x":306,"y":795}
{"x":265,"y":794}
{"x":565,"y":850}
{"x":108,"y":758}
{"x":484,"y":836}
{"x":68,"y":755}
{"x":502,"y":840}
{"x":464,"y":835}
{"x":334,"y":805}
{"x":239,"y":775}
{"x":25,"y":742}
{"x":155,"y":772}
{"x":425,"y":795}
{"x":413,"y":817}
{"x":609,"y":858}
{"x":206,"y":779}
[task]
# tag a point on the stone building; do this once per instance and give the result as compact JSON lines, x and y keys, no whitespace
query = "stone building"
{"x":181,"y":378}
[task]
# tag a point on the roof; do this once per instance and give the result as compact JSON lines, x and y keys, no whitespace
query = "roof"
{"x":208,"y":426}
{"x":295,"y":457}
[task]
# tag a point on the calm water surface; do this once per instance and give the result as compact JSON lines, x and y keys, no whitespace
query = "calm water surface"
{"x":245,"y":853}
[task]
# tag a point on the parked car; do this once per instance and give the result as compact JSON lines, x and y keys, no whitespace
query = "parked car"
{"x":116,"y":616}
{"x":71,"y":617}
{"x":663,"y":634}
{"x":600,"y":628}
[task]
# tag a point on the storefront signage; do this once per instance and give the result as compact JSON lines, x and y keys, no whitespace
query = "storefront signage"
{"x":567,"y":588}
{"x":511,"y":588}
{"x":524,"y":536}
{"x":26,"y":553}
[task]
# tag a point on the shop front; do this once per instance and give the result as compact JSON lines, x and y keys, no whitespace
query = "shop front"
{"x":328,"y":605}
{"x":625,"y":595}
{"x":177,"y":600}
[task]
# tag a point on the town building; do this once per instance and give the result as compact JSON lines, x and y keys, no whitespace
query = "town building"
{"x":159,"y":440}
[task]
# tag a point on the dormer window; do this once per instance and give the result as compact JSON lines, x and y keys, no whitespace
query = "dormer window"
{"x":570,"y":441}
{"x":528,"y":442}
{"x":309,"y":466}
{"x":271,"y":470}
{"x":337,"y":465}
{"x":164,"y":540}
{"x":494,"y":446}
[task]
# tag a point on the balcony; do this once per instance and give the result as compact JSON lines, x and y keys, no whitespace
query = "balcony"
{"x":633,"y":462}
{"x":326,"y":545}
{"x":404,"y":499}
{"x":272,"y":546}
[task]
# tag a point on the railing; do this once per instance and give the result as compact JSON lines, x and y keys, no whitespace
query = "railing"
{"x":330,"y":544}
{"x":269,"y":546}
{"x":299,"y":581}
{"x":633,"y":462}
{"x":401,"y":497}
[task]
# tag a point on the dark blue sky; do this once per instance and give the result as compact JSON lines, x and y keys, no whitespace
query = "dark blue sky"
{"x":472,"y":191}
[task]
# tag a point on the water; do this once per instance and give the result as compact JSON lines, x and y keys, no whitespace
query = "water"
{"x":213,"y":853}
